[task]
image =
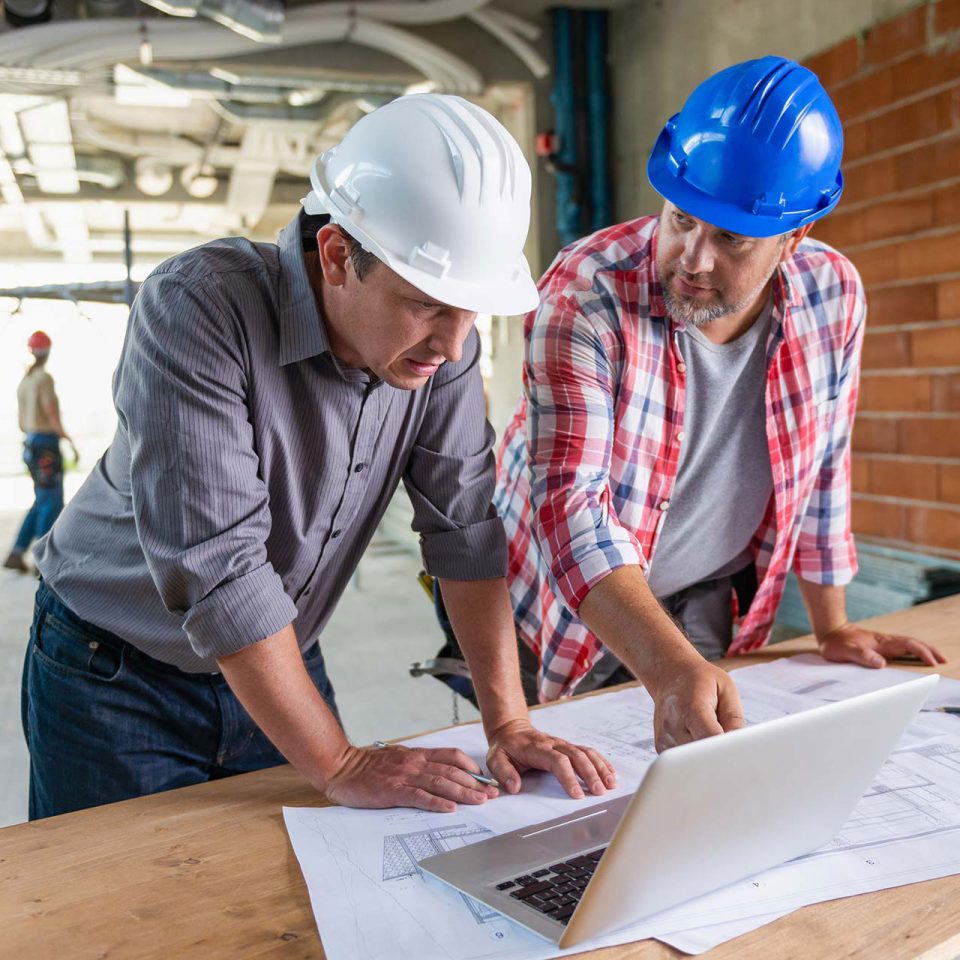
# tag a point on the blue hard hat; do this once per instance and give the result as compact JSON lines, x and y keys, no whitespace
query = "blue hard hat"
{"x":755,"y":150}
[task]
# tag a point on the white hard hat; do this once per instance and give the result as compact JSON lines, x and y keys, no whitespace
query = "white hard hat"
{"x":436,"y":188}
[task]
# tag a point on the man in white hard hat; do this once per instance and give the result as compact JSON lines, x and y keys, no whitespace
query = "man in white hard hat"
{"x":270,"y":399}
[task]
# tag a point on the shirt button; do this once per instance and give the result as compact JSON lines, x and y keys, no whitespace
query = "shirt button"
{"x":664,"y":505}
{"x":359,"y":467}
{"x":94,"y":645}
{"x":335,"y":534}
{"x":681,"y":368}
{"x":680,"y":436}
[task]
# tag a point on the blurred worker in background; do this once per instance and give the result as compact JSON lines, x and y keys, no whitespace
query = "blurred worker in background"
{"x":39,"y":414}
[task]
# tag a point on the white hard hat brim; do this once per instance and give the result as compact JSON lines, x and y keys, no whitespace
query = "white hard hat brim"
{"x":504,"y":299}
{"x":514,"y":295}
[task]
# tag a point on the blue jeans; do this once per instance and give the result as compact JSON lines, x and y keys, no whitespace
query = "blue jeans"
{"x":41,"y":454}
{"x":104,"y":722}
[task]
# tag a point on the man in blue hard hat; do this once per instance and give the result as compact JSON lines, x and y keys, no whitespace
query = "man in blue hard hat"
{"x":683,"y":441}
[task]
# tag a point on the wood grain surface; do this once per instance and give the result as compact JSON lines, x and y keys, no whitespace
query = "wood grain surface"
{"x":207,"y":871}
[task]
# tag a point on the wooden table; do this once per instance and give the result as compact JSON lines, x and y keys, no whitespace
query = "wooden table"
{"x":208,"y":871}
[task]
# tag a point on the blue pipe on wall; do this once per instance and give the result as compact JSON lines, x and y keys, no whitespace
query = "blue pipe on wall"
{"x":598,"y":113}
{"x":565,"y":126}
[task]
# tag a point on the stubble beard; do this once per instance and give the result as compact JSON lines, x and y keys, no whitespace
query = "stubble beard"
{"x":688,"y":311}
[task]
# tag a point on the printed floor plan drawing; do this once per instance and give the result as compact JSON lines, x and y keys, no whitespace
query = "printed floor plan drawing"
{"x":402,"y":852}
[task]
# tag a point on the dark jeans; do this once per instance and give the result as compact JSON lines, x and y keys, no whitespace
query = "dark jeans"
{"x":104,"y":722}
{"x":41,"y":454}
{"x":703,"y":611}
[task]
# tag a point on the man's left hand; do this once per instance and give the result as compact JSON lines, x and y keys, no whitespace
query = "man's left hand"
{"x":517,"y":746}
{"x":853,"y":644}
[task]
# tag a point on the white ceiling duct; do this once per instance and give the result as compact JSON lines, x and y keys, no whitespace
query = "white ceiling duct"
{"x":260,"y":20}
{"x":94,"y":45}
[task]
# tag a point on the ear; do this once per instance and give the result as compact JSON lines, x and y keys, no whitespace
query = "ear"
{"x":793,"y":241}
{"x":334,"y":254}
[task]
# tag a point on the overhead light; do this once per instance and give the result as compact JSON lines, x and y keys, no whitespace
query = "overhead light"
{"x":424,"y":86}
{"x":199,"y":181}
{"x":300,"y":98}
{"x":152,"y":177}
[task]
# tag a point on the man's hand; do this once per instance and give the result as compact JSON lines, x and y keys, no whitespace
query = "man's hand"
{"x":693,"y":699}
{"x":517,"y":746}
{"x":395,"y":776}
{"x":852,"y":644}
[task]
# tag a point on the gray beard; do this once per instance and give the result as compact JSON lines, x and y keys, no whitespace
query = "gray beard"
{"x":687,"y":311}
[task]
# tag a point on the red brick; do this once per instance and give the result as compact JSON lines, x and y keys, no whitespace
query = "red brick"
{"x":885,"y":87}
{"x":932,"y":527}
{"x":877,"y":264}
{"x":875,"y":435}
{"x":884,"y":351}
{"x":895,"y":37}
{"x":928,"y":256}
{"x":946,"y":206}
{"x":909,"y":479}
{"x":945,"y":394}
{"x":841,"y":230}
{"x":906,"y":393}
{"x":909,"y":304}
{"x":918,"y":120}
{"x":874,"y":179}
{"x":929,"y":436}
{"x":935,"y":347}
{"x":837,"y":63}
{"x":860,"y":474}
{"x":946,"y":16}
{"x":897,"y":217}
{"x":948,"y":475}
{"x":875,"y":518}
{"x":948,"y":299}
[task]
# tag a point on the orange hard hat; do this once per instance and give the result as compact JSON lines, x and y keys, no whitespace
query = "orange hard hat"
{"x":39,"y":341}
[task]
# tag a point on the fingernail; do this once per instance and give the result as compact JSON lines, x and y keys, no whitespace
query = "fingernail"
{"x":577,"y":793}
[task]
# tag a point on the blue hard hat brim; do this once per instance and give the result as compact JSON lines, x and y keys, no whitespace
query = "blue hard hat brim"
{"x":718,"y":213}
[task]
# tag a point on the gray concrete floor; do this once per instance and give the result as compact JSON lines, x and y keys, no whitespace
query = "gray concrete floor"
{"x":383,"y":623}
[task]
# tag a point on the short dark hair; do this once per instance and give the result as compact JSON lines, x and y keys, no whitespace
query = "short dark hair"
{"x":363,"y":260}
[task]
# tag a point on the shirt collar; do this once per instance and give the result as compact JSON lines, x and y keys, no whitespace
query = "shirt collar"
{"x":302,"y":330}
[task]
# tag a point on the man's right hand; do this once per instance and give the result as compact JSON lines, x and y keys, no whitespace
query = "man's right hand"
{"x":395,"y":776}
{"x":693,"y":699}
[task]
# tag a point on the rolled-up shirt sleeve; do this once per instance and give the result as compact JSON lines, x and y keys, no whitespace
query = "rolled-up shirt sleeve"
{"x":571,"y":385}
{"x":826,"y":552}
{"x":200,"y":504}
{"x":450,"y":475}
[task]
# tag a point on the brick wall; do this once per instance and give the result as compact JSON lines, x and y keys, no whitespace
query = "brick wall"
{"x":897,"y":90}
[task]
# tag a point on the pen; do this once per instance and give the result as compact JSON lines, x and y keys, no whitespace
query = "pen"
{"x":479,"y":777}
{"x":953,"y":711}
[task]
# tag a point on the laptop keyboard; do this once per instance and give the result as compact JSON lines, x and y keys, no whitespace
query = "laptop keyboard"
{"x":555,"y":890}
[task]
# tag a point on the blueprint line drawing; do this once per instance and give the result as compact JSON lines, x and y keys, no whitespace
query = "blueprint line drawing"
{"x":402,"y":853}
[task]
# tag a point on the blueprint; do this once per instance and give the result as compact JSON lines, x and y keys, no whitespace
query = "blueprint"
{"x":371,"y":900}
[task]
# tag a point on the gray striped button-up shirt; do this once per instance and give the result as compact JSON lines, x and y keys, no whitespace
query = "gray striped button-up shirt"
{"x":250,"y":468}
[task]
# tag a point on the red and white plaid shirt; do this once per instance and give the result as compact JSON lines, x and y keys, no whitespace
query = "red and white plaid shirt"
{"x":588,"y":463}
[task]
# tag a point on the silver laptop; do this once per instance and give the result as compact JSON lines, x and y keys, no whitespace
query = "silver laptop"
{"x":706,"y":814}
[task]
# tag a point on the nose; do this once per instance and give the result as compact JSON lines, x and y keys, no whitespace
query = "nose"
{"x":451,"y":331}
{"x":697,"y":254}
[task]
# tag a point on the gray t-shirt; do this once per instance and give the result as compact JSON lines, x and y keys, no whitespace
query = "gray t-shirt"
{"x":723,"y":481}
